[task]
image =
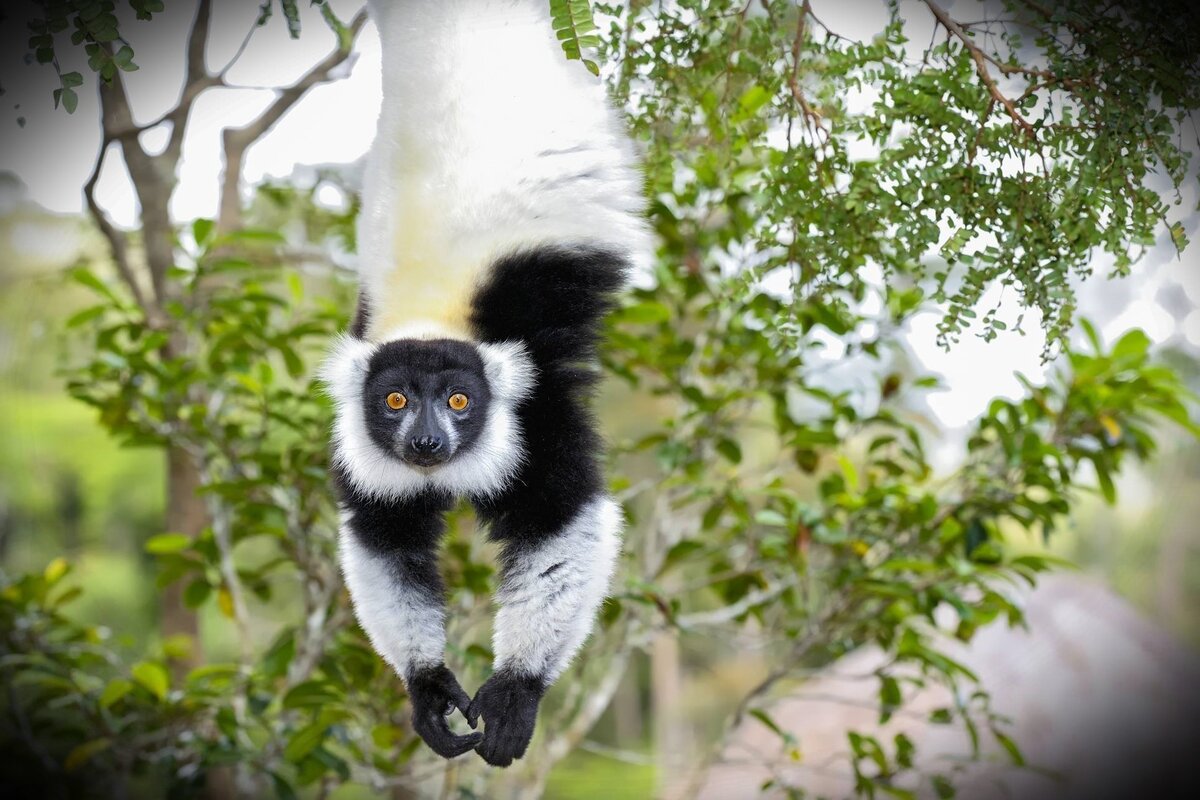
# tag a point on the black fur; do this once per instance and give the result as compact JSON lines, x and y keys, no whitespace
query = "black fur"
{"x":426,"y":373}
{"x":508,"y":705}
{"x":551,"y":298}
{"x":554,"y":300}
{"x":362,"y":316}
{"x":434,"y":693}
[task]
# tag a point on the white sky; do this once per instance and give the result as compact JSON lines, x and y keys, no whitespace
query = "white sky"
{"x":335,"y":123}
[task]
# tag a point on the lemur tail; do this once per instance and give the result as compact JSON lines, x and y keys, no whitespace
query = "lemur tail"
{"x":553,"y":299}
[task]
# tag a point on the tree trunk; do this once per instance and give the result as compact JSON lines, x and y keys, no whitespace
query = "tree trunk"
{"x":185,"y":514}
{"x":670,"y":732}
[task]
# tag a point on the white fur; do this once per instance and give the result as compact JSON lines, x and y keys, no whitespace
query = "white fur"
{"x":489,"y":140}
{"x":545,"y":617}
{"x":405,"y":625}
{"x":483,"y":469}
{"x":421,"y":329}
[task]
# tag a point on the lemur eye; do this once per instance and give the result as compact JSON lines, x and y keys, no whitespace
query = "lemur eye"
{"x":459,"y":401}
{"x":396,"y":401}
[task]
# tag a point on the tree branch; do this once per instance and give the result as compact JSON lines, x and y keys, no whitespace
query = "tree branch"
{"x":152,"y":182}
{"x":981,"y":60}
{"x":196,"y":81}
{"x":812,"y":118}
{"x":236,"y":141}
{"x":731,"y":612}
{"x":118,"y":244}
{"x":237,"y":55}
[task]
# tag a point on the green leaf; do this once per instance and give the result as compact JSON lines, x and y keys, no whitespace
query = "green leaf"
{"x":283,"y":789}
{"x":1014,"y":752}
{"x":574,"y":27}
{"x":81,"y":318}
{"x":766,"y":719}
{"x":1107,"y":488}
{"x":153,"y":677}
{"x":197,"y":592}
{"x":731,"y":450}
{"x":311,"y":694}
{"x":943,"y":787}
{"x":753,"y":99}
{"x":86,"y":277}
{"x":1133,"y":346}
{"x":890,"y":697}
{"x":304,"y":741}
{"x":84,"y":753}
{"x":202,"y":230}
{"x":56,"y":570}
{"x":114,"y":691}
{"x":645,"y":313}
{"x":123,"y":57}
{"x":771,"y":517}
{"x":167,"y":543}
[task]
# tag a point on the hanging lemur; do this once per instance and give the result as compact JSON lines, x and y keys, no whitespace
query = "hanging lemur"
{"x":501,"y":212}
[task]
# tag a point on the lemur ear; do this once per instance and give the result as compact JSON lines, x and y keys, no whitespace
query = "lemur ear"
{"x":510,"y":371}
{"x":345,"y":368}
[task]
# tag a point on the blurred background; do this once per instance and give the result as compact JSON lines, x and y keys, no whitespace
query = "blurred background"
{"x":71,"y":488}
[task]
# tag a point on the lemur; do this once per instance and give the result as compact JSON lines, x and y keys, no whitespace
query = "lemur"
{"x":502,"y":212}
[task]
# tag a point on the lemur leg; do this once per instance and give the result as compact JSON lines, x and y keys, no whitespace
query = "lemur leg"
{"x":390,"y":562}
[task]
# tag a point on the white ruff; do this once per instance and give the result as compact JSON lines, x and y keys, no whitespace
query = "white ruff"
{"x":485,"y":468}
{"x":549,"y":598}
{"x":405,"y":625}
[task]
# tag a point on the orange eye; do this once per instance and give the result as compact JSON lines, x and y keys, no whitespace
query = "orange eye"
{"x":396,"y":401}
{"x":459,"y":401}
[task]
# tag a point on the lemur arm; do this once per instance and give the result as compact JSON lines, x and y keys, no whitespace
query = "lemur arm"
{"x":549,"y":594}
{"x":390,"y":562}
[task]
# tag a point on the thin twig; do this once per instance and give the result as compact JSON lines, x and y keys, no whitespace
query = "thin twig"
{"x":812,"y":118}
{"x":235,"y":141}
{"x":981,"y":60}
{"x":731,"y":612}
{"x":118,"y":244}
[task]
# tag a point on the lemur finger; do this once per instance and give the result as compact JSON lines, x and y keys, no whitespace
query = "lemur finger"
{"x":462,"y":701}
{"x":472,"y":712}
{"x":445,"y":743}
{"x":433,"y":729}
{"x":463,"y":744}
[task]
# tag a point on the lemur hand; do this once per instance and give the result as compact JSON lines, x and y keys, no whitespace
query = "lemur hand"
{"x":434,"y":693}
{"x":508,"y":704}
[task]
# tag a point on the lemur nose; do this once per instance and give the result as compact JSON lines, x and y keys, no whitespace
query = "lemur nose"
{"x":427,"y":444}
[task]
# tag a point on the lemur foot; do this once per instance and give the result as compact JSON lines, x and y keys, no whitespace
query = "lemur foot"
{"x":508,"y":704}
{"x":434,"y":693}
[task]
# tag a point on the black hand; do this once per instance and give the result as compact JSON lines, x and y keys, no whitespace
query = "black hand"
{"x":434,"y":693}
{"x":508,"y":704}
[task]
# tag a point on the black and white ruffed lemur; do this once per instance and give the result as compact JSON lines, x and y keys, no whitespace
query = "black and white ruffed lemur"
{"x":502,"y":210}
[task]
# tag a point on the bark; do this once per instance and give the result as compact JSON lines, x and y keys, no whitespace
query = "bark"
{"x":670,"y":732}
{"x":185,"y":514}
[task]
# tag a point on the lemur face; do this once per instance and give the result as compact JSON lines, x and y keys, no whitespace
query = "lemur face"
{"x":425,"y":401}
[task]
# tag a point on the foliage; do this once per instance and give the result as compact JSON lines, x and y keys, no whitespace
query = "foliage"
{"x":316,"y":703}
{"x":868,"y":557}
{"x":576,"y":30}
{"x":94,"y":25}
{"x":1010,"y":152}
{"x":766,"y":499}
